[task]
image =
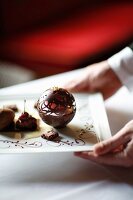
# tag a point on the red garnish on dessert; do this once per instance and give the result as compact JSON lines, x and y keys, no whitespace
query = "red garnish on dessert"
{"x":26,"y":122}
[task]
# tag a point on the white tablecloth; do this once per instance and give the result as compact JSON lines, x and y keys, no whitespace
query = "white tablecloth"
{"x":62,"y":176}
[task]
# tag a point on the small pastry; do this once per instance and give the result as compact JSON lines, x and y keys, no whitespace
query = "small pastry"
{"x":6,"y":118}
{"x":26,"y":122}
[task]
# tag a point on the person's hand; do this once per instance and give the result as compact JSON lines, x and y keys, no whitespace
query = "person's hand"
{"x":118,"y":150}
{"x":98,"y":77}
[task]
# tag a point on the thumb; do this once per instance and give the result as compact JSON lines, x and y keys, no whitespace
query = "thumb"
{"x":113,"y":143}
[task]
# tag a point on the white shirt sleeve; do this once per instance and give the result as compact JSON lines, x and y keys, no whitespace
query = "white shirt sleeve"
{"x":122,"y":64}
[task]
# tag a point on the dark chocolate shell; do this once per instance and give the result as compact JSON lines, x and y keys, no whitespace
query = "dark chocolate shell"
{"x":56,"y":107}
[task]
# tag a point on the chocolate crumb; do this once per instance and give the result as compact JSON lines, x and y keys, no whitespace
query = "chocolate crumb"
{"x":50,"y":135}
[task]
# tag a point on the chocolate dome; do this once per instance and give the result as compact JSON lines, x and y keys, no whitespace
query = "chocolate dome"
{"x":56,"y":107}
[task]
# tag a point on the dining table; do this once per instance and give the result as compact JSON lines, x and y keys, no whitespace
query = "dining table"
{"x":62,"y":175}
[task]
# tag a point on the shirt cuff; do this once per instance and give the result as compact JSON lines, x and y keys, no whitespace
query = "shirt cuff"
{"x":122,"y":64}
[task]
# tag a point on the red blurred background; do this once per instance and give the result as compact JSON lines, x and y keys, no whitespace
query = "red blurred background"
{"x":50,"y":36}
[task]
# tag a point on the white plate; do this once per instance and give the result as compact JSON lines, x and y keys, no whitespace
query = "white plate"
{"x":89,"y":126}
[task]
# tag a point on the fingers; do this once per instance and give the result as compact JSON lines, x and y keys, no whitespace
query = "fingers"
{"x":114,"y":143}
{"x":73,"y":86}
{"x":77,"y":87}
{"x":114,"y":159}
{"x":80,"y":83}
{"x":117,"y":150}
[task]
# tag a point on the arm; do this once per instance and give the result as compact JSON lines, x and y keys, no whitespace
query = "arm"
{"x":107,"y":77}
{"x":98,"y":77}
{"x":122,"y":64}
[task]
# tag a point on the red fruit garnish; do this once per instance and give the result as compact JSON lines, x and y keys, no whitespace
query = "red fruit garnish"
{"x":26,"y":122}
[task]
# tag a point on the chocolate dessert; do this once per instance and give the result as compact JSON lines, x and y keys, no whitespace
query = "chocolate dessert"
{"x":6,"y":118}
{"x":26,"y":122}
{"x":56,"y":107}
{"x":50,"y":135}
